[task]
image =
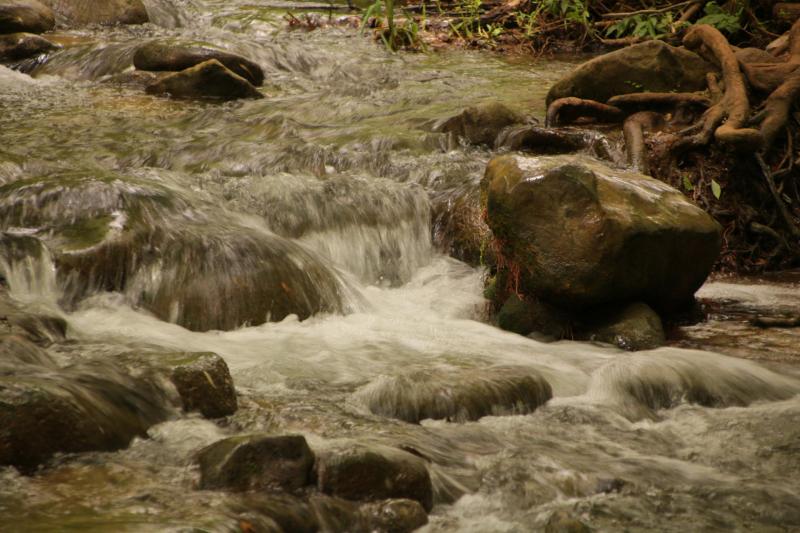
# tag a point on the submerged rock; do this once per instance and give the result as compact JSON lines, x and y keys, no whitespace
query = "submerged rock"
{"x":105,"y":12}
{"x":563,"y":522}
{"x":205,"y":384}
{"x":79,"y":408}
{"x":257,"y":461}
{"x":635,"y":327}
{"x":16,"y":46}
{"x":161,"y":56}
{"x":360,"y":472}
{"x":210,"y":79}
{"x":394,"y":516}
{"x":480,"y":124}
{"x":25,"y":16}
{"x":524,"y":316}
{"x":109,"y":233}
{"x":578,"y":236}
{"x":458,"y":394}
{"x":652,"y":66}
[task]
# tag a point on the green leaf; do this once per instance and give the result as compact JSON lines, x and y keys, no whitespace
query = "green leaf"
{"x":687,"y":184}
{"x":716,"y":189}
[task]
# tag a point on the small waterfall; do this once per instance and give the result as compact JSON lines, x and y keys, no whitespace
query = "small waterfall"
{"x":28,"y":269}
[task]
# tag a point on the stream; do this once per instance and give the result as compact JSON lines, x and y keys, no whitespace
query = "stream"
{"x":337,"y":168}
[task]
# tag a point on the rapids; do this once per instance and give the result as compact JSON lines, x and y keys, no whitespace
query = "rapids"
{"x":338,"y":164}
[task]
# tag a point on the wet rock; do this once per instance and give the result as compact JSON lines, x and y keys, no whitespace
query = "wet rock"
{"x":754,"y":55}
{"x":36,"y":327}
{"x":17,"y":353}
{"x":457,"y":394}
{"x":92,"y":406}
{"x":166,"y":253}
{"x":207,"y":80}
{"x":635,"y":327}
{"x":480,"y":124}
{"x":105,"y":12}
{"x":582,"y":235}
{"x":563,"y":522}
{"x":538,"y":140}
{"x":524,"y":316}
{"x":160,"y":56}
{"x":25,"y":16}
{"x":16,"y":46}
{"x":279,"y":513}
{"x":653,"y":66}
{"x":257,"y":461}
{"x":458,"y":227}
{"x":360,"y":472}
{"x":394,"y":516}
{"x":205,"y":385}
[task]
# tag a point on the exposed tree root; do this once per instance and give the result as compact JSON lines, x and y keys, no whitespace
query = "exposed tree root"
{"x":633,"y":130}
{"x":661,"y":101}
{"x":570,"y":109}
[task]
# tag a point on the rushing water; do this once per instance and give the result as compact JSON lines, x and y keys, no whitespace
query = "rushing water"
{"x":339,"y":163}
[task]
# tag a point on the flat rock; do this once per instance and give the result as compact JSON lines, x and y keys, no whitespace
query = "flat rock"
{"x":28,"y":16}
{"x":210,"y":79}
{"x":161,"y":56}
{"x":457,"y":394}
{"x":360,"y":472}
{"x":257,"y":461}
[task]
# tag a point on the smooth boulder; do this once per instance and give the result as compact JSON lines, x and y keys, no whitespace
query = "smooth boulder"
{"x":371,"y":472}
{"x":257,"y":461}
{"x":457,"y":394}
{"x":480,"y":124}
{"x":210,"y":79}
{"x":103,"y":12}
{"x":652,"y":66}
{"x":159,"y":56}
{"x":634,"y":327}
{"x":204,"y":384}
{"x":18,"y":46}
{"x":578,"y":235}
{"x":28,"y":16}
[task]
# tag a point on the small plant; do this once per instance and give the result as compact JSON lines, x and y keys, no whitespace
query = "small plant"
{"x":646,"y":26}
{"x":394,"y":37}
{"x":724,"y":21}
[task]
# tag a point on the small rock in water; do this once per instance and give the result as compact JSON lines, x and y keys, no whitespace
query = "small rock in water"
{"x":358,"y":472}
{"x":210,"y":79}
{"x":458,"y":394}
{"x":25,"y":16}
{"x":635,"y":327}
{"x":206,"y":385}
{"x":105,"y":12}
{"x":394,"y":516}
{"x":258,"y":461}
{"x":158,"y":56}
{"x":563,"y":522}
{"x":525,"y":316}
{"x":480,"y":124}
{"x":16,"y":46}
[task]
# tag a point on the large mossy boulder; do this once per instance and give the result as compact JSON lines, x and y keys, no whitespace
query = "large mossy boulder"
{"x":90,"y":406}
{"x":105,"y":12}
{"x":25,"y":16}
{"x":367,"y":473}
{"x":18,"y":46}
{"x":210,"y":79}
{"x":166,"y":252}
{"x":578,"y":235}
{"x":457,"y":394}
{"x":161,"y":56}
{"x":652,"y":66}
{"x":259,"y":461}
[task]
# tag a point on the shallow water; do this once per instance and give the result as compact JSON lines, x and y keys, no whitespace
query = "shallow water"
{"x":339,"y":159}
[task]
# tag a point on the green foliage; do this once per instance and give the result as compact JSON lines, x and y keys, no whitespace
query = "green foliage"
{"x":716,"y":189}
{"x":572,"y":11}
{"x":687,"y":183}
{"x":394,"y":37}
{"x":723,"y":20}
{"x":649,"y":26}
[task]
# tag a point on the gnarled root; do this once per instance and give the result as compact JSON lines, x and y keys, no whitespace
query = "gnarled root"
{"x":568,"y":110}
{"x":734,"y":105}
{"x":634,"y":129}
{"x":660,"y":101}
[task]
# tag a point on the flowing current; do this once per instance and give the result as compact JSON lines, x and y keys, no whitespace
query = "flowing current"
{"x":339,"y":162}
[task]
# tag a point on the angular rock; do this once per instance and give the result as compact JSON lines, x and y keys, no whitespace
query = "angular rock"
{"x":17,"y":46}
{"x":359,"y":472}
{"x":581,"y":235}
{"x":25,"y":16}
{"x":652,"y":66}
{"x":205,"y":385}
{"x":635,"y":327}
{"x":104,"y":12}
{"x":480,"y":124}
{"x":257,"y":461}
{"x":394,"y":516}
{"x":457,"y":394}
{"x":79,"y":408}
{"x":209,"y":79}
{"x":161,"y":56}
{"x":195,"y":266}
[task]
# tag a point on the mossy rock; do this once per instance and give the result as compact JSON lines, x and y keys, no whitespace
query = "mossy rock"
{"x":205,"y":385}
{"x":634,"y":327}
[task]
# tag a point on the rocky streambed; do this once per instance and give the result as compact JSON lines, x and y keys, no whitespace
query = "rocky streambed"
{"x":279,"y":311}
